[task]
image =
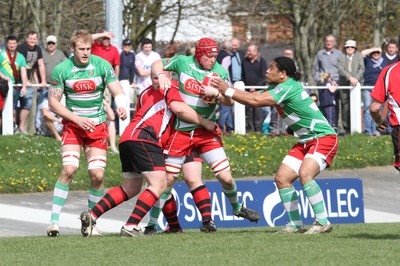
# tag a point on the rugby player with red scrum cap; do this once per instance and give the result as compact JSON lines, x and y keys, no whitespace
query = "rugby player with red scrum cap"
{"x":195,"y":73}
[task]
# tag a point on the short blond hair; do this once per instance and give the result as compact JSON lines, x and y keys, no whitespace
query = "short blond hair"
{"x":80,"y":36}
{"x":325,"y":76}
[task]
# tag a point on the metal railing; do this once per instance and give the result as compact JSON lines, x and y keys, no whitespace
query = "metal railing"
{"x":239,"y":109}
{"x":7,"y":116}
{"x":355,"y":106}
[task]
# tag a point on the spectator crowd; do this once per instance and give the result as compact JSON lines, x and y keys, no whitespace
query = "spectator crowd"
{"x":27,"y":63}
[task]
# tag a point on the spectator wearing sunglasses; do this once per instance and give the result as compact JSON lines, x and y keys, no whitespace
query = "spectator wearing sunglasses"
{"x":374,"y":63}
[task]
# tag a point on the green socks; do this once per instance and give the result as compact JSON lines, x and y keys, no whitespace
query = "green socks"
{"x":290,"y":201}
{"x":94,"y":197}
{"x":60,"y":195}
{"x":231,"y":194}
{"x":316,"y":199}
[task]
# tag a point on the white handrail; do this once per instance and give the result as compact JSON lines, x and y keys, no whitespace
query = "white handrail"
{"x":355,"y":106}
{"x":7,"y":121}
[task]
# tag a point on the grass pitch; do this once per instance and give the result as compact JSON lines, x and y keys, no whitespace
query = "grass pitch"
{"x":357,"y":244}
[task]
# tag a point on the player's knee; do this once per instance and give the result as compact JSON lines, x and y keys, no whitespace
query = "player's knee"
{"x":132,"y":186}
{"x":97,"y":162}
{"x":226,"y":180}
{"x":220,"y":166}
{"x":162,"y":186}
{"x":281,"y":179}
{"x":159,"y":187}
{"x":193,"y":184}
{"x":96,"y":177}
{"x":278,"y":180}
{"x":170,"y":180}
{"x":68,"y":172}
{"x":70,"y":159}
{"x":131,"y":191}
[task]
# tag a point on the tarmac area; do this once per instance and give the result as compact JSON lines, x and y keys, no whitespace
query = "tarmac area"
{"x":29,"y":214}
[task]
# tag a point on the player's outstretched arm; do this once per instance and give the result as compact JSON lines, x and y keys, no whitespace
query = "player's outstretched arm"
{"x":243,"y":97}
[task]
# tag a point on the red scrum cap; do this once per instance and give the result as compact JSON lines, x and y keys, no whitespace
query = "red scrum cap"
{"x":205,"y":46}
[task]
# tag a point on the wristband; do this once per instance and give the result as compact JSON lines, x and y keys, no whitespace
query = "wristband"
{"x":120,"y":101}
{"x":219,"y":94}
{"x":229,"y":92}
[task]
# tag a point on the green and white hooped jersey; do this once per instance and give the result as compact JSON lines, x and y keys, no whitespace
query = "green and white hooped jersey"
{"x":84,"y":86}
{"x":299,"y":111}
{"x":191,"y":76}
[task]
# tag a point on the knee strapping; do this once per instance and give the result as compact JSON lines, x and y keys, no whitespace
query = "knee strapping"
{"x":173,"y":168}
{"x":173,"y":165}
{"x":97,"y":162}
{"x":220,"y":166}
{"x":70,"y":158}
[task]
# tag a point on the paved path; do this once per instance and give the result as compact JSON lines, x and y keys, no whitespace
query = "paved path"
{"x":28,"y":214}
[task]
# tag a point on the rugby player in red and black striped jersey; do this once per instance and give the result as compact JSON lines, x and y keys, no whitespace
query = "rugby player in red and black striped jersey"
{"x":142,"y":157}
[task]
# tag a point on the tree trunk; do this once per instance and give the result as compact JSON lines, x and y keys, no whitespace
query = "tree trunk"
{"x":178,"y":19}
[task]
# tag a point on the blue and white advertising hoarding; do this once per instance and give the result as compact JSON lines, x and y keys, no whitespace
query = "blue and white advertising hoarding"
{"x":343,"y":199}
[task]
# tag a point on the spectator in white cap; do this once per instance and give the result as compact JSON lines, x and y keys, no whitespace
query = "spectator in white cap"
{"x":351,"y":70}
{"x":51,"y":57}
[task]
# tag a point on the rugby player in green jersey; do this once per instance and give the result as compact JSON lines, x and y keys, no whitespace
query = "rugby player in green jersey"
{"x":317,"y":141}
{"x":82,"y":79}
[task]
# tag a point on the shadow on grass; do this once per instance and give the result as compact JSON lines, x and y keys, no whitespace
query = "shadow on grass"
{"x":374,"y":236}
{"x":248,"y":230}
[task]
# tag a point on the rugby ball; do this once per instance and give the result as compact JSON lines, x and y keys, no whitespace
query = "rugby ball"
{"x":207,"y":82}
{"x":207,"y":79}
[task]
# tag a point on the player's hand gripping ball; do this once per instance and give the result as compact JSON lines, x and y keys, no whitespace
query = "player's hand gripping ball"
{"x":210,"y":90}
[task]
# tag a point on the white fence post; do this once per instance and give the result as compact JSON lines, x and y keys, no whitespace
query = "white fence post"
{"x":355,"y":109}
{"x":240,"y":112}
{"x":7,"y":123}
{"x":126,"y":87}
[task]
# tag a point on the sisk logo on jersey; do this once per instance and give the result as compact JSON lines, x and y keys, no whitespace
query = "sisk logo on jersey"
{"x":193,"y":86}
{"x":84,"y":86}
